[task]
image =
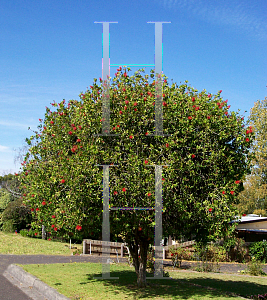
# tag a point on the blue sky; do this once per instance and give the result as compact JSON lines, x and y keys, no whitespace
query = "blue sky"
{"x":52,"y":50}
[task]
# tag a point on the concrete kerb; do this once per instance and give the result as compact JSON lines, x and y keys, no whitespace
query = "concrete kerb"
{"x":35,"y":286}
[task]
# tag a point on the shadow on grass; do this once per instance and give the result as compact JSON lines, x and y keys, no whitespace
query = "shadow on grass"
{"x":180,"y":288}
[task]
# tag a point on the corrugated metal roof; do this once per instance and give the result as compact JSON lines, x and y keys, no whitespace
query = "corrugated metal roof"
{"x":249,"y":219}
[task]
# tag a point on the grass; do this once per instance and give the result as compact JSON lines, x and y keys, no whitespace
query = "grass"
{"x":11,"y":243}
{"x":76,"y":281}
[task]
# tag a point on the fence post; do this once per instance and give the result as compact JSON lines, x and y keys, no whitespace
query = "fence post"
{"x":43,"y":233}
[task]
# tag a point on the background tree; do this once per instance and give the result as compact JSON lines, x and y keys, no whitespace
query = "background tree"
{"x":254,"y":198}
{"x":207,"y":153}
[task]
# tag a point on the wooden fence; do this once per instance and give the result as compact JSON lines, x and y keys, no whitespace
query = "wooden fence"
{"x":121,"y":249}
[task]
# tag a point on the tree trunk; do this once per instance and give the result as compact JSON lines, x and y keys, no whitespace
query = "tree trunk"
{"x":140,"y":262}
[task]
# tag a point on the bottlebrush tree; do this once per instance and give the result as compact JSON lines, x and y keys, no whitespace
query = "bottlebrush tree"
{"x":207,"y":154}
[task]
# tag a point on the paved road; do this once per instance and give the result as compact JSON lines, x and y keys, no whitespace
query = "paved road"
{"x":10,"y":292}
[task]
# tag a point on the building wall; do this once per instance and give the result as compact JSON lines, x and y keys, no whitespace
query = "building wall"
{"x":254,"y":225}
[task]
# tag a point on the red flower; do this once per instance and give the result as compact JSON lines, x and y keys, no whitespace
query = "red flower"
{"x":125,"y":74}
{"x":247,"y":139}
{"x":100,"y":79}
{"x":244,"y":215}
{"x":78,"y":140}
{"x":146,"y":161}
{"x":171,"y":254}
{"x":149,"y":194}
{"x":120,"y":112}
{"x":49,"y":239}
{"x":53,"y":216}
{"x":197,"y":108}
{"x":146,"y":133}
{"x":37,"y":209}
{"x":131,"y":136}
{"x":167,"y":145}
{"x":145,"y":98}
{"x":24,"y":195}
{"x":52,"y":122}
{"x":193,"y":99}
{"x":189,"y":118}
{"x":135,"y":109}
{"x":135,"y":103}
{"x":40,"y":120}
{"x":223,"y":192}
{"x":163,"y":95}
{"x":209,"y":95}
{"x":124,"y":189}
{"x":232,"y":192}
{"x":210,"y":209}
{"x":32,"y":209}
{"x":164,"y":103}
{"x":140,"y":228}
{"x":78,"y":227}
{"x":80,"y":127}
{"x":74,"y":128}
{"x":62,"y":181}
{"x":26,"y":173}
{"x":125,"y":107}
{"x":193,"y":156}
{"x":220,"y":91}
{"x":53,"y":226}
{"x":208,"y":117}
{"x":70,"y":132}
{"x":126,"y":101}
{"x":43,"y":203}
{"x":35,"y":233}
{"x":237,"y":181}
{"x":44,"y":128}
{"x":115,"y":193}
{"x":165,"y":81}
{"x":149,"y":93}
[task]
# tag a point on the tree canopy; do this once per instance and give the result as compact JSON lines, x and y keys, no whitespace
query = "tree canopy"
{"x":206,"y":158}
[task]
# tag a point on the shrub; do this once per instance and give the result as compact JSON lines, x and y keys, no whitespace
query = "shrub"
{"x":258,"y":250}
{"x":17,"y":212}
{"x":30,"y":233}
{"x":235,"y":249}
{"x":254,"y":268}
{"x":8,"y":226}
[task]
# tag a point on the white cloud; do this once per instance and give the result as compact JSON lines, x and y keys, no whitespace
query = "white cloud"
{"x":243,"y":15}
{"x":16,"y":125}
{"x":4,"y":148}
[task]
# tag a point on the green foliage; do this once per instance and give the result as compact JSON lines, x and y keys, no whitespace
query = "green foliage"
{"x":258,"y":251}
{"x":207,"y":153}
{"x":253,"y":198}
{"x":178,"y":254}
{"x":8,"y":226}
{"x":30,"y":233}
{"x":20,"y":214}
{"x":254,"y":268}
{"x":235,"y":248}
{"x":5,"y":198}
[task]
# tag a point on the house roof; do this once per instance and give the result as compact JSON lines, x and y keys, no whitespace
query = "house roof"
{"x":249,"y":219}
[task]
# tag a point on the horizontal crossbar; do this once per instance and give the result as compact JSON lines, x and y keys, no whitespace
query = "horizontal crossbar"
{"x":132,"y":208}
{"x":132,"y":65}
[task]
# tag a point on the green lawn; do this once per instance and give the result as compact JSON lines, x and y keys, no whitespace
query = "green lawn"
{"x":76,"y":281}
{"x":11,"y":243}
